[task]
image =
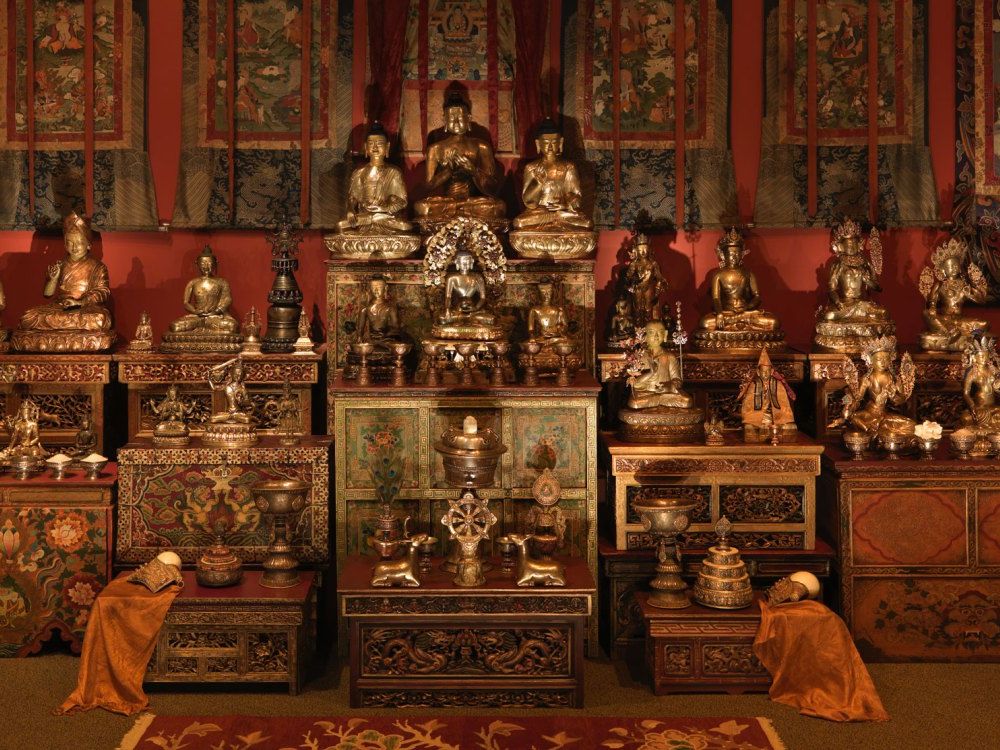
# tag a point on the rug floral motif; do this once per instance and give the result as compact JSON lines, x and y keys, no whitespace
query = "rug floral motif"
{"x":451,"y":733}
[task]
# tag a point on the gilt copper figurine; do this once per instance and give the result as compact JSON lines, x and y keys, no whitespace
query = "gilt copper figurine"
{"x":208,"y":325}
{"x":25,"y":440}
{"x":736,"y":323}
{"x":377,"y":327}
{"x":77,"y":319}
{"x":981,"y":386}
{"x":851,"y":320}
{"x":171,"y":429}
{"x":375,"y":225}
{"x":872,"y":402}
{"x":235,"y":427}
{"x":143,"y":339}
{"x":553,"y":224}
{"x":548,"y":326}
{"x":947,"y":285}
{"x":644,"y":283}
{"x":765,"y":399}
{"x":462,"y":174}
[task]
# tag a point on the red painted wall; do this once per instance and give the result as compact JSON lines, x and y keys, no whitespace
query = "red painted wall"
{"x":149,"y":270}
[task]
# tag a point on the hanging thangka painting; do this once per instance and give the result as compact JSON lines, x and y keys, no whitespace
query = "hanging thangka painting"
{"x":43,"y":128}
{"x":242,"y":160}
{"x":977,"y":181}
{"x":843,"y":129}
{"x":629,"y":141}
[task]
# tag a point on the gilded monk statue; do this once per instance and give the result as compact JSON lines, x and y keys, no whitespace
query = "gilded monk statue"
{"x":462,"y":174}
{"x":77,"y":319}
{"x":208,"y":325}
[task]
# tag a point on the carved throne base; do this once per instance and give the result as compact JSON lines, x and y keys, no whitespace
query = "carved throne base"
{"x":663,"y":425}
{"x":201,"y":343}
{"x":943,"y":342}
{"x":61,"y":341}
{"x":738,"y":341}
{"x":229,"y":435}
{"x":849,"y":338}
{"x":372,"y":246}
{"x":553,"y":245}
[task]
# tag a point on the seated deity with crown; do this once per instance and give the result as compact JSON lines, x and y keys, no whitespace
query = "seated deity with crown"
{"x":851,"y":320}
{"x":737,"y":322}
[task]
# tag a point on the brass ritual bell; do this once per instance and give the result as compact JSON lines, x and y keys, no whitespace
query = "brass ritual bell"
{"x":723,"y":582}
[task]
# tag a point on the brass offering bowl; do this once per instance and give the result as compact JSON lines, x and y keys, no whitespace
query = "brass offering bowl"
{"x":665,"y":518}
{"x":279,"y":499}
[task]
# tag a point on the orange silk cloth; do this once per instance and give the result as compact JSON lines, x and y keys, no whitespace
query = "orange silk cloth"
{"x":814,"y":665}
{"x":121,"y":634}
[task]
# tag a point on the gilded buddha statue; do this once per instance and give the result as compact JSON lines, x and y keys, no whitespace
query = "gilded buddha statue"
{"x":736,"y":322}
{"x":377,"y":325}
{"x":871,"y":403}
{"x":658,"y":409}
{"x":466,"y":313}
{"x":208,"y":326}
{"x":851,"y":320}
{"x":77,"y":319}
{"x":643,"y":282}
{"x":548,"y":327}
{"x":375,"y":225}
{"x":946,"y":286}
{"x":462,"y":174}
{"x":981,"y":385}
{"x":552,"y":224}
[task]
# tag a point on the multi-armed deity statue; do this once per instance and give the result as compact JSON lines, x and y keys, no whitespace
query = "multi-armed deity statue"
{"x":462,"y":174}
{"x":375,"y":225}
{"x":553,"y":224}
{"x":947,"y":285}
{"x":77,"y":319}
{"x":208,"y":325}
{"x":736,"y":323}
{"x":658,"y":409}
{"x":871,"y":401}
{"x":171,"y":428}
{"x":851,"y":321}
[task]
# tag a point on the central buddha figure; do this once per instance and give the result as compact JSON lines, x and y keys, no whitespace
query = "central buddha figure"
{"x":851,"y":321}
{"x":466,"y":314}
{"x":208,"y":326}
{"x":77,"y":319}
{"x":736,"y":321}
{"x":462,"y":175}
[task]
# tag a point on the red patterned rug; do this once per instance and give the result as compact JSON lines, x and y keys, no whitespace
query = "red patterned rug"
{"x":448,"y":733}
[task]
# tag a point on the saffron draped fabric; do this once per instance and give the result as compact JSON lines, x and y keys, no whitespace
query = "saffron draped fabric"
{"x":814,"y":665}
{"x":121,"y":635}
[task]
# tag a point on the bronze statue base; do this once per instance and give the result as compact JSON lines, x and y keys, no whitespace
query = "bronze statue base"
{"x":429,"y":225}
{"x":171,"y":441}
{"x":737,"y":342}
{"x":849,"y":338}
{"x":350,"y":246}
{"x":61,"y":341}
{"x":229,"y":435}
{"x":663,"y":425}
{"x":943,"y":342}
{"x":139,"y":347}
{"x":473,"y":333}
{"x":566,"y":245}
{"x":201,"y":343}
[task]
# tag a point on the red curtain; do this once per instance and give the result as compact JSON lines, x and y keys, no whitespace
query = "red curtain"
{"x":386,"y":37}
{"x":530,"y":29}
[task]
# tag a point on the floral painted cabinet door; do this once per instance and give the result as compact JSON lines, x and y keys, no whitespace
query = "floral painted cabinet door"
{"x":55,"y":557}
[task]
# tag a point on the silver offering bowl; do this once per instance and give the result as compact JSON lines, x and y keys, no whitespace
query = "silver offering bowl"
{"x":962,"y":441}
{"x":93,"y":468}
{"x":928,"y":447}
{"x":665,"y":518}
{"x":856,"y":443}
{"x":279,"y":499}
{"x":895,"y":444}
{"x":24,"y":466}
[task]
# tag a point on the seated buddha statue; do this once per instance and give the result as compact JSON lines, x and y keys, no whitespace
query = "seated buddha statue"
{"x":466,"y":314}
{"x":376,"y":198}
{"x":77,"y":319}
{"x":736,"y":321}
{"x":548,"y":326}
{"x":658,"y":409}
{"x":378,"y":324}
{"x":947,"y":286}
{"x":208,"y":326}
{"x":851,"y":320}
{"x":462,"y":174}
{"x":552,"y":204}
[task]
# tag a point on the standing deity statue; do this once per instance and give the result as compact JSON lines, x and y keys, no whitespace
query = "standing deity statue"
{"x":850,"y":321}
{"x":736,"y":322}
{"x":208,"y":326}
{"x":946,"y":286}
{"x":643,"y":282}
{"x":77,"y":319}
{"x":376,"y":198}
{"x":462,"y":173}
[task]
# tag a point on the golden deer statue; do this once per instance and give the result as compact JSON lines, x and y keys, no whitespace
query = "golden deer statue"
{"x":401,"y":572}
{"x":530,"y":572}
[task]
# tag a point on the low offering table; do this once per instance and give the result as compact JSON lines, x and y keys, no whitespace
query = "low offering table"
{"x":439,"y":645}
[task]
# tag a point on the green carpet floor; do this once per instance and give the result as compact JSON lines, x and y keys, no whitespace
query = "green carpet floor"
{"x":932,"y":706}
